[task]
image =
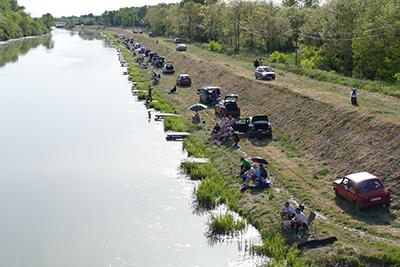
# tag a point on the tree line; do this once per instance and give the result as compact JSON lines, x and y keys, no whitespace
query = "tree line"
{"x":16,"y":23}
{"x":356,"y":38}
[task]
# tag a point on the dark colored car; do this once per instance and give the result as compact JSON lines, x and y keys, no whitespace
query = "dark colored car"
{"x":256,"y":126}
{"x":158,"y":61}
{"x":264,"y":73}
{"x":209,"y":95}
{"x":228,"y":106}
{"x":363,"y":190}
{"x":168,"y":68}
{"x":151,"y":55}
{"x":151,"y":34}
{"x":184,"y":80}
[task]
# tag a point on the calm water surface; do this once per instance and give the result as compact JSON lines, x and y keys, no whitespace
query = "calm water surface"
{"x":85,"y":179}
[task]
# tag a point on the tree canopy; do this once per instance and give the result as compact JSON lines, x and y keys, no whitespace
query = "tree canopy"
{"x":16,"y":23}
{"x":354,"y":37}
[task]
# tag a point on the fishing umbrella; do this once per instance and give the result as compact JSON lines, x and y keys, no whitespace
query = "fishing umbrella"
{"x":259,"y":160}
{"x":197,"y":107}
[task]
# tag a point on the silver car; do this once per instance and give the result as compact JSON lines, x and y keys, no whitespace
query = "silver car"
{"x":181,"y":47}
{"x":264,"y":73}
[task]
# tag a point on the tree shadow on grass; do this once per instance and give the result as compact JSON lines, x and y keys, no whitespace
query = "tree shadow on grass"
{"x":373,"y":215}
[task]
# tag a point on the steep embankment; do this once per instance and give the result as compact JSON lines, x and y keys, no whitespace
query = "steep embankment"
{"x":342,"y":139}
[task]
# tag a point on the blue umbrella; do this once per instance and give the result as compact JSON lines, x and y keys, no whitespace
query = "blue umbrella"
{"x":197,"y":107}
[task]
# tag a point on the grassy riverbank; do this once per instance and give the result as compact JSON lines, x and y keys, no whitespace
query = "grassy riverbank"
{"x":221,"y":184}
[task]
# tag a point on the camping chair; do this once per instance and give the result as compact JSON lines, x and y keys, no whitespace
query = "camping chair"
{"x":306,"y":232}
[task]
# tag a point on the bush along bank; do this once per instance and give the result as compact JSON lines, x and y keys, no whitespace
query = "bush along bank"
{"x":218,"y":185}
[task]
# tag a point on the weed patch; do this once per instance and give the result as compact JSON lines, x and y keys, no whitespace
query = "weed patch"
{"x":223,"y":224}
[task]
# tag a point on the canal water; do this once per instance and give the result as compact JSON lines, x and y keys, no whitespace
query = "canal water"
{"x":85,"y":178}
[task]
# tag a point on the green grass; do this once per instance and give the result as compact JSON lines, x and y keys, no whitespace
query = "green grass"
{"x":385,"y":88}
{"x":214,"y":190}
{"x":224,"y":224}
{"x":287,"y":144}
{"x":161,"y":104}
{"x":195,"y":147}
{"x":321,"y":173}
{"x":387,"y":256}
{"x":198,"y":171}
{"x":176,"y":124}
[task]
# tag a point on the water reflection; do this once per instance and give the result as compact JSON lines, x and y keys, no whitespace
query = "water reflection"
{"x":11,"y":51}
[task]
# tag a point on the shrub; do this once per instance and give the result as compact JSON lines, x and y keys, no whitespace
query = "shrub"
{"x":215,"y":46}
{"x":397,"y":77}
{"x":198,"y":171}
{"x":222,"y":224}
{"x":278,"y":57}
{"x":310,"y":57}
{"x":176,"y":124}
{"x":195,"y":147}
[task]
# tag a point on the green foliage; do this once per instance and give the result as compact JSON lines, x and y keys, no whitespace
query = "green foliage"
{"x":273,"y":246}
{"x":195,"y":147}
{"x":397,"y":77}
{"x":310,"y":57}
{"x":198,"y":171}
{"x":225,"y":223}
{"x":15,"y":23}
{"x":176,"y":124}
{"x":215,"y":46}
{"x":278,"y":57}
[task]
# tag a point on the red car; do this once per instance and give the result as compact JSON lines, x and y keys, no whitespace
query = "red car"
{"x":363,"y":190}
{"x":183,"y":80}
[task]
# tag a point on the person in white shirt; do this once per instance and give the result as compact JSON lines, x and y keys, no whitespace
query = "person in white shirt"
{"x":299,"y":221}
{"x":287,"y":211}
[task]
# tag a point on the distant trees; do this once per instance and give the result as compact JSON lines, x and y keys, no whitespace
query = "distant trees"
{"x":15,"y":23}
{"x":355,"y":37}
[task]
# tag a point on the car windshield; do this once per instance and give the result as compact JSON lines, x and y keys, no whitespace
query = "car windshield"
{"x":265,"y":69}
{"x":169,"y":67}
{"x":370,"y":185}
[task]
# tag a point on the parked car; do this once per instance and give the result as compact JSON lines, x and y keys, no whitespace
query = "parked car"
{"x":255,"y":126}
{"x":183,"y":80}
{"x":151,"y":34}
{"x":178,"y":41}
{"x":209,"y":95}
{"x":151,"y":55}
{"x":158,"y":61}
{"x":181,"y":47}
{"x":228,"y":106}
{"x":264,"y":73}
{"x":168,"y":68}
{"x":363,"y":190}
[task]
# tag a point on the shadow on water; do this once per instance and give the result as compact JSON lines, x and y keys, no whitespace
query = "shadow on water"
{"x":11,"y":51}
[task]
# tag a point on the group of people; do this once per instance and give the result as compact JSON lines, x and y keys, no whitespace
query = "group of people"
{"x":254,"y":175}
{"x":224,"y":134}
{"x":294,"y":218}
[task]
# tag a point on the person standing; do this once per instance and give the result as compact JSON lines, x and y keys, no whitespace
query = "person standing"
{"x":256,"y":63}
{"x":149,"y":94}
{"x":353,"y":97}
